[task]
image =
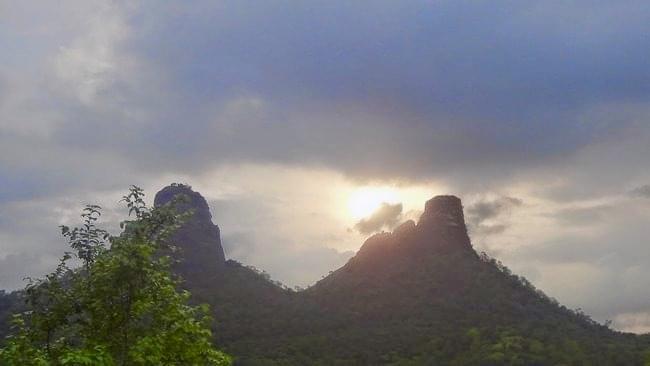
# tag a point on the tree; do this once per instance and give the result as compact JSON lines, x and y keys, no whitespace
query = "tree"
{"x":122,"y":306}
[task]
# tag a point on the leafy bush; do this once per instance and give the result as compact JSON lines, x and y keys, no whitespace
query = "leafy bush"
{"x":120,"y":307}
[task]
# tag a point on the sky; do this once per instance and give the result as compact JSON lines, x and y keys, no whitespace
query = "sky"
{"x":308,"y":126}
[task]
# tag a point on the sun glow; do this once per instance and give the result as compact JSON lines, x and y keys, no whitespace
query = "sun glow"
{"x":366,"y":200}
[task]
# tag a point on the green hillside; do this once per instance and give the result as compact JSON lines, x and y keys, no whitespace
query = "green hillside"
{"x":420,"y":295}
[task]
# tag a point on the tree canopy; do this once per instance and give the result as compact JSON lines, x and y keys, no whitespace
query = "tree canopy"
{"x":113,"y":300}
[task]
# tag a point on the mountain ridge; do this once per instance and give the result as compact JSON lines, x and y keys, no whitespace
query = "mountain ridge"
{"x":419,"y":295}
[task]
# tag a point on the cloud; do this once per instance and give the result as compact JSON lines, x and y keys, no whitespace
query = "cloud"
{"x":642,"y":191}
{"x":483,"y":210}
{"x":633,"y":322}
{"x":386,"y":216}
{"x":548,"y":102}
{"x":481,"y":213}
{"x":293,"y":266}
{"x":15,"y":269}
{"x":582,"y":216}
{"x":31,"y":243}
{"x":260,"y":84}
{"x":577,"y":251}
{"x":281,"y":256}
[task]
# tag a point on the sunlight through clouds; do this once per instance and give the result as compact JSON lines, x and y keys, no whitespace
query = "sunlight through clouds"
{"x":366,"y":200}
{"x":297,"y":122}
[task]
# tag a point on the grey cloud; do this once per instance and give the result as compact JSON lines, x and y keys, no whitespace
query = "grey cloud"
{"x":484,"y":210}
{"x":478,"y":97}
{"x":239,"y":246}
{"x":490,"y":229}
{"x":601,"y":168}
{"x":30,"y":239}
{"x":642,"y":191}
{"x":16,"y":269}
{"x":582,"y":215}
{"x":386,"y":216}
{"x":585,"y":259}
{"x":633,"y":322}
{"x":291,"y":266}
{"x":255,"y":231}
{"x":493,"y":93}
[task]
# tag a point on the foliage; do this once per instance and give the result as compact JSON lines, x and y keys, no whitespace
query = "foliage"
{"x":121,"y":307}
{"x":446,"y":309}
{"x":409,"y":301}
{"x":10,"y":303}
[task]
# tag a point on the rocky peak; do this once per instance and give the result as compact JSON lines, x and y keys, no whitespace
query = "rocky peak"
{"x":404,"y":228}
{"x":445,"y":211}
{"x":195,"y":201}
{"x":440,"y":233}
{"x":443,"y":223}
{"x":201,"y":255}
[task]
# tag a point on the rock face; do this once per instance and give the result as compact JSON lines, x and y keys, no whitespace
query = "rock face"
{"x":446,"y":210}
{"x":441,"y":228}
{"x":417,"y":296}
{"x":409,"y":250}
{"x":201,"y":254}
{"x":443,"y":222}
{"x":414,"y":296}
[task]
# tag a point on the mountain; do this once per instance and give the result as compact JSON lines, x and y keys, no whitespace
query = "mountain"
{"x":419,"y":295}
{"x":198,"y":240}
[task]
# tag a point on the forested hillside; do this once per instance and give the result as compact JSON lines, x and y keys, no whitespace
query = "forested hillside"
{"x":420,"y":295}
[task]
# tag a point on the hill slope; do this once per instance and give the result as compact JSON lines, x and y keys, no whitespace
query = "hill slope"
{"x":420,"y":295}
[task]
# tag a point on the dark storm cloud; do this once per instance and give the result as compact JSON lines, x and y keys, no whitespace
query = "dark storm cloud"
{"x":386,"y":216}
{"x":409,"y":90}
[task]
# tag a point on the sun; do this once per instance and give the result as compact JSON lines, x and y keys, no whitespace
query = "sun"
{"x":366,"y":200}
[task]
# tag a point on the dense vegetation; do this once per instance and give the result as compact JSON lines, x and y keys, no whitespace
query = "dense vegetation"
{"x":415,"y":319}
{"x":418,"y":296}
{"x":120,"y":306}
{"x":10,"y":303}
